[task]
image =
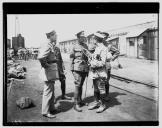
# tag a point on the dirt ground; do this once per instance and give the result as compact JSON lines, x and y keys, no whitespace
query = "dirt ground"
{"x":123,"y":106}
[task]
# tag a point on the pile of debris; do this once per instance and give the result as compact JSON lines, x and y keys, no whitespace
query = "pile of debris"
{"x":15,"y":70}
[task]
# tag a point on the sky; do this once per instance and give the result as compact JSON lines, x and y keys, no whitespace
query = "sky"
{"x":34,"y":27}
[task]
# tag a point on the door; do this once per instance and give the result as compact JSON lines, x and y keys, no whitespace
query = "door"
{"x":131,"y":48}
{"x":142,"y":48}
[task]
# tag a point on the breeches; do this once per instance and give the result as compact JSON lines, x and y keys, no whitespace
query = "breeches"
{"x":79,"y":78}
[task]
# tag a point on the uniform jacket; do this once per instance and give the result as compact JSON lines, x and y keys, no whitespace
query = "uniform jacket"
{"x":98,"y":63}
{"x":48,"y":57}
{"x":111,"y":54}
{"x":78,"y":58}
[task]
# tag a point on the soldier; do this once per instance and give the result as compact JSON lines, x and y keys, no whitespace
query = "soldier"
{"x":62,"y":76}
{"x":48,"y":60}
{"x":79,"y":68}
{"x":111,"y":55}
{"x":98,"y":73}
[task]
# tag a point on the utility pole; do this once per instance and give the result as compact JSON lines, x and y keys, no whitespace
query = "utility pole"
{"x":17,"y":26}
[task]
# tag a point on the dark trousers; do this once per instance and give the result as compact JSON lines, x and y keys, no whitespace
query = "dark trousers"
{"x":63,"y":83}
{"x":107,"y":85}
{"x":96,"y":83}
{"x":79,"y":80}
{"x":63,"y":87}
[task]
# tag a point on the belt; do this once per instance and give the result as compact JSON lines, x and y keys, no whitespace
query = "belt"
{"x":50,"y":62}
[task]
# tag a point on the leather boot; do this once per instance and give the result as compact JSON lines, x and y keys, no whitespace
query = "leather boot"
{"x":96,"y":104}
{"x":106,"y":96}
{"x":81,"y":103}
{"x":101,"y":108}
{"x":76,"y":99}
{"x":77,"y":108}
{"x":63,"y":88}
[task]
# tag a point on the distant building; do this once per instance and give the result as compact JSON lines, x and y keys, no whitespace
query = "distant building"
{"x":18,"y":42}
{"x":139,"y":41}
{"x":66,"y":46}
{"x":8,"y":43}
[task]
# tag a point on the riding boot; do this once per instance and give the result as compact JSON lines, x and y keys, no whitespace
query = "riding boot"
{"x":102,"y":106}
{"x":77,"y":100}
{"x":106,"y":97}
{"x":63,"y":88}
{"x":96,"y":103}
{"x":80,"y":97}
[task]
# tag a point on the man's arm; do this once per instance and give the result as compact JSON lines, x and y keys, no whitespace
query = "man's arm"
{"x":101,"y":61}
{"x":115,"y":52}
{"x":42,"y":57}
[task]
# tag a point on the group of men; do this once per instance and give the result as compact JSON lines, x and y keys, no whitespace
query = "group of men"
{"x":86,"y":61}
{"x":26,"y":54}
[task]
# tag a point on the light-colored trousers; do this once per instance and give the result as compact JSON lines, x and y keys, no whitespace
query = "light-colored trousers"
{"x":48,"y":97}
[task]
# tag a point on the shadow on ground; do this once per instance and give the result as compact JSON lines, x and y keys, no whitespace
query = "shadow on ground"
{"x":113,"y":101}
{"x":65,"y":105}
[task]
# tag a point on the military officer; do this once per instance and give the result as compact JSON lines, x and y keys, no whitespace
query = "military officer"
{"x":112,"y":53}
{"x":62,"y":76}
{"x":79,"y":68}
{"x":51,"y":60}
{"x":98,"y":73}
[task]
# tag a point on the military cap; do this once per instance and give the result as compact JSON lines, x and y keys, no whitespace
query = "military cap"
{"x":79,"y":34}
{"x":99,"y":35}
{"x":105,"y":34}
{"x":50,"y":33}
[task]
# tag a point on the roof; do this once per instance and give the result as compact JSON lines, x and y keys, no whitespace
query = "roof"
{"x":136,"y":32}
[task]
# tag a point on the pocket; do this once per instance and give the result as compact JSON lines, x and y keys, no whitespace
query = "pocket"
{"x":52,"y":72}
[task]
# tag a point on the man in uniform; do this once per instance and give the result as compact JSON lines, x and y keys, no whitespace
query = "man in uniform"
{"x":50,"y":58}
{"x":62,"y":76}
{"x":112,"y":54}
{"x":98,"y":73}
{"x":79,"y":68}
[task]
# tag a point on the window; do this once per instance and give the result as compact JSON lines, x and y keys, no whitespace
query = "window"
{"x":131,"y":43}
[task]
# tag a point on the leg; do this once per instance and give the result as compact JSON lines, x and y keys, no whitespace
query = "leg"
{"x":77,"y":77}
{"x":48,"y":99}
{"x":63,"y":89}
{"x":96,"y":103}
{"x":107,"y":85}
{"x":101,"y":97}
{"x":81,"y":89}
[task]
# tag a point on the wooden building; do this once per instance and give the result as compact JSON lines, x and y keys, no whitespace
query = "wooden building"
{"x":138,"y":41}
